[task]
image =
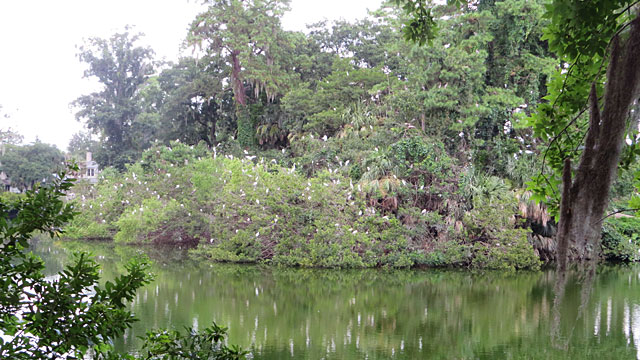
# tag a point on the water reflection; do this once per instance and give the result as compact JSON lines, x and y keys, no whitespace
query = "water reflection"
{"x":377,"y":314}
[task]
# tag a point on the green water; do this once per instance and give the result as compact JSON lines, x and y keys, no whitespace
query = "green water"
{"x":382,"y":314}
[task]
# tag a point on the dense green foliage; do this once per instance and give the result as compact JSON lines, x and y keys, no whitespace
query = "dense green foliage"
{"x":29,"y":164}
{"x":207,"y":344}
{"x":254,"y":210}
{"x":259,"y":86}
{"x":621,"y":239}
{"x":346,"y":146}
{"x":71,"y":314}
{"x":113,"y":113}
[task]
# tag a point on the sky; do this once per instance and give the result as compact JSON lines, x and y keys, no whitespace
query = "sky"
{"x":40,"y":74}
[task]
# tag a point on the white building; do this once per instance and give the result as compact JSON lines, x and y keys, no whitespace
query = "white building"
{"x":88,"y":169}
{"x":5,"y":183}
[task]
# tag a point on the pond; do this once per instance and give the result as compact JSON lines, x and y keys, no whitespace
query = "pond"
{"x":282,"y":313}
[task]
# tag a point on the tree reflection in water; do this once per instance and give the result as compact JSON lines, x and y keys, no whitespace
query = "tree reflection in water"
{"x":379,"y":314}
{"x":589,"y":278}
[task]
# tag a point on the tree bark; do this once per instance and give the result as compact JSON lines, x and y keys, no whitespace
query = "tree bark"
{"x":214,"y":139}
{"x":584,"y":200}
{"x":246,"y":131}
{"x":237,"y":84}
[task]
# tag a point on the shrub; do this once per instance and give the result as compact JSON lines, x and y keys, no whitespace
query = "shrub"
{"x":174,"y":345}
{"x":9,"y":197}
{"x":66,"y":316}
{"x":137,"y":225}
{"x":252,"y":209}
{"x":621,"y":239}
{"x":496,"y":242}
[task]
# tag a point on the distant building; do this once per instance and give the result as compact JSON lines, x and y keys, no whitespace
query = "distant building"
{"x":5,"y":183}
{"x":88,"y":169}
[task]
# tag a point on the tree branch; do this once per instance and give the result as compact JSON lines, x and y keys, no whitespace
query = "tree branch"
{"x":616,"y":212}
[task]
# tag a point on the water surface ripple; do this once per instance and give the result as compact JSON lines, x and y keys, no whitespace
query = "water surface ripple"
{"x":380,"y":314}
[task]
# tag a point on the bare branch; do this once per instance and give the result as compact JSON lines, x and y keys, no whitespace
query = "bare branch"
{"x":614,"y":213}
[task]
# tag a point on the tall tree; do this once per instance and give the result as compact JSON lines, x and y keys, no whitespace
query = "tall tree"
{"x":196,"y":101}
{"x":121,"y":67}
{"x":248,"y":35}
{"x":589,"y":37}
{"x":81,"y":143}
{"x":483,"y":71}
{"x":321,"y":107}
{"x":341,"y":66}
{"x":518,"y":64}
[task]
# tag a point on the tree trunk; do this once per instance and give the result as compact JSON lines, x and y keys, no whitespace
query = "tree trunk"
{"x":246,"y":129}
{"x":585,"y":199}
{"x":236,"y":81}
{"x":213,"y":138}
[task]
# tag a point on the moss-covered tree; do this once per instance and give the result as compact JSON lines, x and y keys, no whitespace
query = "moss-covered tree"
{"x":248,"y":35}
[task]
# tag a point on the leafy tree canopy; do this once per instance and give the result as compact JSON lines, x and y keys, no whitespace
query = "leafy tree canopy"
{"x":27,"y":165}
{"x":248,"y":35}
{"x":81,"y":143}
{"x":121,"y":67}
{"x":587,"y":113}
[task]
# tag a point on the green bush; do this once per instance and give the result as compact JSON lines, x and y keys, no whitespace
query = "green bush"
{"x":449,"y":253}
{"x":174,"y":345}
{"x":252,"y":209}
{"x":621,"y":239}
{"x":137,"y":225}
{"x":9,"y":197}
{"x":496,"y":242}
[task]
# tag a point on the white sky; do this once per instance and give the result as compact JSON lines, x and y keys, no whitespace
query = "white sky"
{"x":40,"y":74}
